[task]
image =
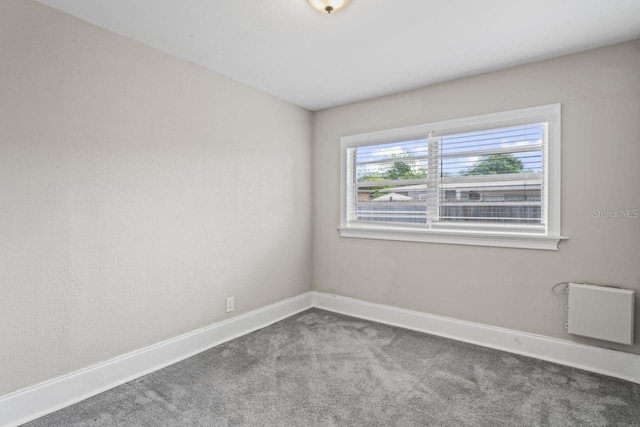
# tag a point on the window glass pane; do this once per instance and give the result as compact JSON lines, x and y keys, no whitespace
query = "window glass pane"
{"x":494,"y":175}
{"x":391,"y":182}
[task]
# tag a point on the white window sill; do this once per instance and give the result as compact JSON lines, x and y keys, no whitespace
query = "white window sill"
{"x":455,"y":237}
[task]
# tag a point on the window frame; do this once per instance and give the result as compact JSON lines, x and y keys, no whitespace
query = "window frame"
{"x":458,"y":235}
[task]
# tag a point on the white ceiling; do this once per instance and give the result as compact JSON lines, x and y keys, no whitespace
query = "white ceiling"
{"x":371,"y":48}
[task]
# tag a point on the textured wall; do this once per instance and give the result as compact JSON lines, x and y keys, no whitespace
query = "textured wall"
{"x":137,"y":191}
{"x":600,"y":95}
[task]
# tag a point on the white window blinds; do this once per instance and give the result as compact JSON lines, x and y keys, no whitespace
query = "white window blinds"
{"x":493,"y":177}
{"x":389,"y":182}
{"x":486,"y":179}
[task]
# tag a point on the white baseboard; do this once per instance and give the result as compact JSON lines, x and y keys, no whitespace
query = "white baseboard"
{"x":603,"y":361}
{"x":33,"y":402}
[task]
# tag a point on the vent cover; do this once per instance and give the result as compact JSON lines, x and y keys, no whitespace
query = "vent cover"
{"x":601,"y":312}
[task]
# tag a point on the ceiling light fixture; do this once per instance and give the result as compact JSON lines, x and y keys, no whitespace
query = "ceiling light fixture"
{"x":328,"y":6}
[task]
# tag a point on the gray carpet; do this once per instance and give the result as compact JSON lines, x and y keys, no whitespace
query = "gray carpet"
{"x":323,"y":369}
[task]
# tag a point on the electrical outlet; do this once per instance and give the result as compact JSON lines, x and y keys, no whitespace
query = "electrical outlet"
{"x":229,"y":304}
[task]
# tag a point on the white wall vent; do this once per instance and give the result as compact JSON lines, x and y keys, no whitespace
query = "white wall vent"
{"x":601,"y":312}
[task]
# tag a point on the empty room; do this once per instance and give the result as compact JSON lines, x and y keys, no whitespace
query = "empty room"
{"x":319,"y":213}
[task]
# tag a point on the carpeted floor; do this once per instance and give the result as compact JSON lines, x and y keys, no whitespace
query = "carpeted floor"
{"x":323,"y":369}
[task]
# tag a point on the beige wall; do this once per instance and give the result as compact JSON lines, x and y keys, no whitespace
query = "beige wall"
{"x":137,"y":192}
{"x":600,"y":95}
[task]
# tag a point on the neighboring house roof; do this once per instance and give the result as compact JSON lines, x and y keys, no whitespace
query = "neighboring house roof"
{"x":392,"y":197}
{"x":405,"y":188}
{"x":511,"y":185}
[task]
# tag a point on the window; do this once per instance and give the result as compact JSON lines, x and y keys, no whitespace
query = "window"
{"x":491,"y":180}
